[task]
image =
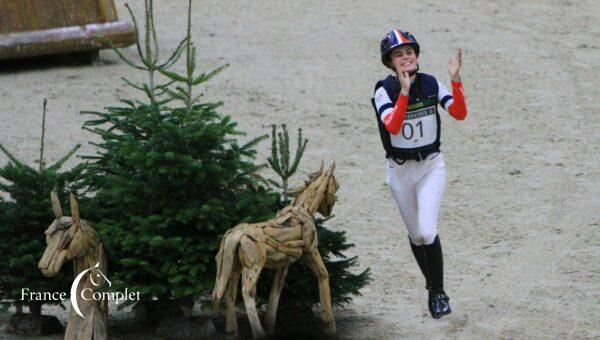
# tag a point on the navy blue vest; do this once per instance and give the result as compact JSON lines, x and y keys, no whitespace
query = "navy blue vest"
{"x":415,"y":141}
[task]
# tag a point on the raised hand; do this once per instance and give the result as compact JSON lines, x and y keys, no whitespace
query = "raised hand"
{"x":404,"y":79}
{"x":454,"y":66}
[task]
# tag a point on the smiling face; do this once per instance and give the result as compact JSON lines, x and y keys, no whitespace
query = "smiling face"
{"x":404,"y":59}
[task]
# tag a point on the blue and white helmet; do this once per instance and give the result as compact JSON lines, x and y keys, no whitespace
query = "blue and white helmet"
{"x":394,"y":39}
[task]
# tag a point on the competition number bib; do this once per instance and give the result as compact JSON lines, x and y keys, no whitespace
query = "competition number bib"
{"x":418,"y":129}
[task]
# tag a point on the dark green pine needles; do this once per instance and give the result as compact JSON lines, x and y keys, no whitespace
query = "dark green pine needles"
{"x":170,"y":178}
{"x":24,"y":217}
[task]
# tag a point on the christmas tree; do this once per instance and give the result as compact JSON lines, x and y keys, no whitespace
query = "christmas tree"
{"x":169,"y":177}
{"x":24,"y":216}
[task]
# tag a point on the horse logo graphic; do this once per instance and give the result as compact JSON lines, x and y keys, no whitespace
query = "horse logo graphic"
{"x":98,"y":274}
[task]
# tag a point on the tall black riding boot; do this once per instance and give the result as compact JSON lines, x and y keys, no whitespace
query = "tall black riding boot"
{"x":419,"y":253}
{"x":438,"y":300}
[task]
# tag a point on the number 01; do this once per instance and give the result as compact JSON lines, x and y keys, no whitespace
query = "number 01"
{"x":411,"y":130}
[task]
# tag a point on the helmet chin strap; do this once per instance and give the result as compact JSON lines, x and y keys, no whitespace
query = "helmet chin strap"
{"x":413,"y":72}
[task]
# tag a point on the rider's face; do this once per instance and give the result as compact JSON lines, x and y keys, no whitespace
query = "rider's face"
{"x":404,"y":59}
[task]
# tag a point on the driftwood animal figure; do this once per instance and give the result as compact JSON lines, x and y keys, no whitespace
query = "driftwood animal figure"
{"x":277,"y":243}
{"x":71,"y":238}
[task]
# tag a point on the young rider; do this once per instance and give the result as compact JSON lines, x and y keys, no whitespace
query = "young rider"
{"x":409,"y":124}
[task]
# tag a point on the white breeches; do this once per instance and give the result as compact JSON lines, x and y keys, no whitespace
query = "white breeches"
{"x":417,"y":188}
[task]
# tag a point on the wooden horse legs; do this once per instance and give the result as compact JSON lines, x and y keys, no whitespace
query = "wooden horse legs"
{"x":250,"y":273}
{"x":230,"y":297}
{"x":278,"y":282}
{"x":252,"y":266}
{"x":249,"y":280}
{"x":315,"y":263}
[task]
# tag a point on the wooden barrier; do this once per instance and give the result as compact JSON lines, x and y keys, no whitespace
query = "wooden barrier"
{"x":40,"y":27}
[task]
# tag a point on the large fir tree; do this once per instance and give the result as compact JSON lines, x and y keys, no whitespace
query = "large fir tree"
{"x":170,"y":177}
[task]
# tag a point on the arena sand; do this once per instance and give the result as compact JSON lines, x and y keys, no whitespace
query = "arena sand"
{"x":520,"y":216}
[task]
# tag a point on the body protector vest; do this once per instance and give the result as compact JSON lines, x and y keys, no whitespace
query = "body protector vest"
{"x":420,"y":131}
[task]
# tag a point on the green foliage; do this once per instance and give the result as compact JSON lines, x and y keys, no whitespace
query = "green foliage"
{"x":25,"y":216}
{"x":280,"y":156}
{"x":169,"y":179}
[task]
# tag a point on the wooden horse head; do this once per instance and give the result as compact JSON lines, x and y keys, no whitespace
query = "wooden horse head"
{"x":65,"y":238}
{"x":318,"y":193}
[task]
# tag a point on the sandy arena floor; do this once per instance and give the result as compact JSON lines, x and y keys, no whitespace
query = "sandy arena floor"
{"x":520,"y":216}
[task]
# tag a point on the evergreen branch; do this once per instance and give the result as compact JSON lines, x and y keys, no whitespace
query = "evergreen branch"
{"x":149,"y":92}
{"x":137,"y":32}
{"x":273,"y":164}
{"x":13,"y":158}
{"x":95,"y":122}
{"x":169,"y":83}
{"x":244,"y":173}
{"x":147,"y":33}
{"x":254,"y":142}
{"x":95,"y":130}
{"x":277,"y":185}
{"x":181,"y":90}
{"x":132,"y":84}
{"x":172,"y":75}
{"x":175,"y":56}
{"x":153,"y":30}
{"x":274,"y":159}
{"x":90,"y":157}
{"x":175,"y":94}
{"x":192,"y":62}
{"x":280,"y":156}
{"x":118,"y":52}
{"x":160,"y":92}
{"x":283,"y":164}
{"x":99,"y":146}
{"x":204,"y":77}
{"x":106,"y":117}
{"x":62,"y":161}
{"x":286,"y":153}
{"x":164,"y":101}
{"x":299,"y":151}
{"x":107,"y":134}
{"x":162,"y":89}
{"x":260,"y":167}
{"x":195,"y":99}
{"x":128,"y":102}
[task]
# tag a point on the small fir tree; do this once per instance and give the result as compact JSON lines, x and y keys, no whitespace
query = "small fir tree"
{"x":170,"y":177}
{"x":301,"y":290}
{"x":24,"y":216}
{"x":280,"y":156}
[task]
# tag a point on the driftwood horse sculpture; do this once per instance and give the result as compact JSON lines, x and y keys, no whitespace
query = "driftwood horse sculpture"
{"x":71,"y":238}
{"x":277,"y":243}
